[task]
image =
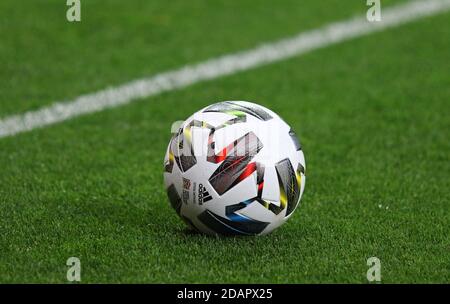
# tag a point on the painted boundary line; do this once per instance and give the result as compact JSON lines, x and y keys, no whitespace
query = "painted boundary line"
{"x":304,"y":42}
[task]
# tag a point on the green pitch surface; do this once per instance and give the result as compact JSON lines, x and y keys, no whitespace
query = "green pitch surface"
{"x":372,"y":115}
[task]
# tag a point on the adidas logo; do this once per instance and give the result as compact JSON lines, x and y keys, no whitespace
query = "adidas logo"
{"x":203,"y":195}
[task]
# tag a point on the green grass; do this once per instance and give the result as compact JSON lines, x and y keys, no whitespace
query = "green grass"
{"x":372,"y":115}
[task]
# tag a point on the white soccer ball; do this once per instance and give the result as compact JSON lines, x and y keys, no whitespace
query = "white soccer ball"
{"x":234,"y":168}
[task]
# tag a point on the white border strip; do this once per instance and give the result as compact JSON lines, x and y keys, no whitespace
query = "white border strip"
{"x":226,"y":65}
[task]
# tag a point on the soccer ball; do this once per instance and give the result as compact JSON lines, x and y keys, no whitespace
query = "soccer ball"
{"x":234,"y":168}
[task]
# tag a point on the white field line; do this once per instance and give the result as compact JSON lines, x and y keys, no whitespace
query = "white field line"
{"x":226,"y":65}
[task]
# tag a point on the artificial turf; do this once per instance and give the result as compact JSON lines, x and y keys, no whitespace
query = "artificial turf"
{"x":372,"y":115}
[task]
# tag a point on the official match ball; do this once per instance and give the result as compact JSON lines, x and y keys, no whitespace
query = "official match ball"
{"x":234,"y":168}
